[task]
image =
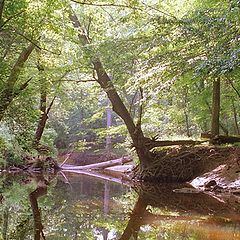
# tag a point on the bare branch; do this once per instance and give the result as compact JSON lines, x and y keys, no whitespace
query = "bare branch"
{"x":34,"y":42}
{"x":88,"y":27}
{"x":77,"y":81}
{"x":234,"y":88}
{"x":10,"y":18}
{"x":160,"y":11}
{"x":106,"y":5}
{"x":22,"y":87}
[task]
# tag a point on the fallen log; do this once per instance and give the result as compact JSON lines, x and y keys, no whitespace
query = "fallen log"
{"x":220,"y":139}
{"x":175,"y":142}
{"x":224,"y":139}
{"x":102,"y":165}
{"x":102,"y":176}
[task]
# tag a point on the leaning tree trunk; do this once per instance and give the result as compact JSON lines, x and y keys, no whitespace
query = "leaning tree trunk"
{"x":215,"y":108}
{"x":43,"y":118}
{"x":8,"y":93}
{"x":139,"y":141}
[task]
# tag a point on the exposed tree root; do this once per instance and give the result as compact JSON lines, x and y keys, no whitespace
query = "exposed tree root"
{"x":183,"y":164}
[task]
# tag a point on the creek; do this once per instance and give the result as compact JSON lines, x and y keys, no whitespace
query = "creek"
{"x":74,"y":206}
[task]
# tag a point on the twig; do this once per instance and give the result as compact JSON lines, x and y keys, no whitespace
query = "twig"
{"x":66,"y":179}
{"x":68,"y":156}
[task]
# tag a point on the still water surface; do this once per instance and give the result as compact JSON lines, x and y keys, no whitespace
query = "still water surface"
{"x":84,"y":208}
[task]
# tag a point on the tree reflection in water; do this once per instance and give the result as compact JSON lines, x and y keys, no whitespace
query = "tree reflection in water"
{"x":188,"y":207}
{"x":41,"y":190}
{"x":94,"y":209}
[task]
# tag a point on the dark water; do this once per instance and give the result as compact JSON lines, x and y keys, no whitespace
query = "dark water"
{"x":82,"y":207}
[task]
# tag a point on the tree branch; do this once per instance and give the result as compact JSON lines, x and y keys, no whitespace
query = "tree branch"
{"x":22,"y":87}
{"x":106,"y":5}
{"x":160,"y":11}
{"x":34,"y":42}
{"x":231,"y":83}
{"x":77,"y":81}
{"x":10,"y":18}
{"x":50,"y":105}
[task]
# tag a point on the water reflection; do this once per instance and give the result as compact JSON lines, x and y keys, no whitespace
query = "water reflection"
{"x":76,"y":207}
{"x":33,"y":196}
{"x":200,"y":209}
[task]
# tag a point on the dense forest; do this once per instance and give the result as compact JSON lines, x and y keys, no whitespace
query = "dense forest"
{"x":90,"y":74}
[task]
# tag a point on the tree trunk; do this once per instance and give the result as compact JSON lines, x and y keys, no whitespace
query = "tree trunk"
{"x":215,"y":107}
{"x":185,"y":110}
{"x":43,"y":118}
{"x":109,"y":124}
{"x":117,"y":104}
{"x":5,"y":223}
{"x":1,"y":11}
{"x":106,"y":200}
{"x":237,"y":131}
{"x":224,"y":129}
{"x":8,"y":94}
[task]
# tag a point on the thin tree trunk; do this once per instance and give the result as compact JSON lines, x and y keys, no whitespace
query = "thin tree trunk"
{"x":106,"y":199}
{"x":187,"y":123}
{"x":8,"y":94}
{"x":1,"y":11}
{"x":237,"y":130}
{"x":109,"y":124}
{"x":215,"y":108}
{"x":224,"y":129}
{"x":5,"y":223}
{"x":185,"y":110}
{"x":43,"y":118}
